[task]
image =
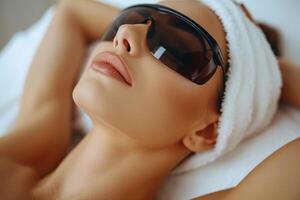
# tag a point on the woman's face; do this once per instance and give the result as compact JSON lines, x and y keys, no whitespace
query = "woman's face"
{"x":162,"y":106}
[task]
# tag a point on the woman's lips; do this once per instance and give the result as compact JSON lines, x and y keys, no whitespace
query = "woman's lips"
{"x":113,"y":65}
{"x":108,"y":70}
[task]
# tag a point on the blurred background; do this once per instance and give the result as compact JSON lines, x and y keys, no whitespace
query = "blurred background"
{"x":16,"y":15}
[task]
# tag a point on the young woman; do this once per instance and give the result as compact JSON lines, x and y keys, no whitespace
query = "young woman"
{"x":137,"y":138}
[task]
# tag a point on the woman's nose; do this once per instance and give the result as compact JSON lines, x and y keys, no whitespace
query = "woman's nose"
{"x":131,"y":38}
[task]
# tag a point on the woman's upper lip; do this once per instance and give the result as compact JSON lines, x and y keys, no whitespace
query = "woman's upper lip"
{"x":115,"y":61}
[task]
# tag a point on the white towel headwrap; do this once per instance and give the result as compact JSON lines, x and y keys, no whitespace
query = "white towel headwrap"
{"x":253,"y":85}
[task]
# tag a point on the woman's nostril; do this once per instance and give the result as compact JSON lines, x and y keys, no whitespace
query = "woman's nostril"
{"x":127,"y":45}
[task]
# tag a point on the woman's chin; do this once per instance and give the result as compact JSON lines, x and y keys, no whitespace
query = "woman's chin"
{"x":88,"y":95}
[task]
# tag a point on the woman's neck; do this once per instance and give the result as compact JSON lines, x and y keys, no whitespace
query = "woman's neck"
{"x":110,"y":164}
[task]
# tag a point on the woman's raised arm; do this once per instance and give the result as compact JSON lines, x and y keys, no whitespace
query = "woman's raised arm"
{"x":57,"y":63}
{"x":42,"y":131}
{"x":291,"y":82}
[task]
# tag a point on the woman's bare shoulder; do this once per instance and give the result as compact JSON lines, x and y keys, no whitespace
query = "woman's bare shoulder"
{"x":276,"y":178}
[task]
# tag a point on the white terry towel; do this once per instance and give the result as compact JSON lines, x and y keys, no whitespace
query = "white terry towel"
{"x":253,"y":84}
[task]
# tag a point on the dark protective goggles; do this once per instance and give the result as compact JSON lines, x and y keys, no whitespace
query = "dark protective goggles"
{"x":175,"y":40}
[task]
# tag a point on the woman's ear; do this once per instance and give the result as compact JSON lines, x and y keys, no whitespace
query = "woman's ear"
{"x":203,"y":139}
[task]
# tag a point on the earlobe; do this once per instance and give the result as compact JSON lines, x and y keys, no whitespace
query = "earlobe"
{"x":203,"y":139}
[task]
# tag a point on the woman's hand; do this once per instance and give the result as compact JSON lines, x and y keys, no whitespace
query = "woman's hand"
{"x":92,"y":17}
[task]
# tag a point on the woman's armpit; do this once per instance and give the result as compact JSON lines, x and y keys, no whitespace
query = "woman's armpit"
{"x":276,"y":178}
{"x":215,"y":196}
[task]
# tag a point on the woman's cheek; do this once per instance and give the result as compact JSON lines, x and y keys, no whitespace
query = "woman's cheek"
{"x":182,"y":99}
{"x":172,"y":107}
